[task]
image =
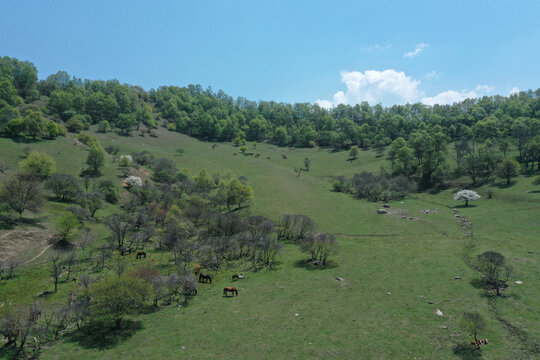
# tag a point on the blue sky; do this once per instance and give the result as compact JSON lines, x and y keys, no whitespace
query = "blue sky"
{"x":292,"y":51}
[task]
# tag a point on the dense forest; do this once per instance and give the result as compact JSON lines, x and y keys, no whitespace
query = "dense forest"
{"x":481,"y":131}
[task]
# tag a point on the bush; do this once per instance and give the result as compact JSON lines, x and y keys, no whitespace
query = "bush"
{"x":87,"y":139}
{"x":38,"y":163}
{"x":75,"y":125}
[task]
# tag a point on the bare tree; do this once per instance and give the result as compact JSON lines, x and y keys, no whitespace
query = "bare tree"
{"x":8,"y":267}
{"x":22,"y":191}
{"x":119,"y":225}
{"x":319,"y":245}
{"x":56,"y":269}
{"x":495,"y":272}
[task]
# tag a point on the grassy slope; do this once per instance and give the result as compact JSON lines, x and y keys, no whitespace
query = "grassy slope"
{"x":415,"y":261}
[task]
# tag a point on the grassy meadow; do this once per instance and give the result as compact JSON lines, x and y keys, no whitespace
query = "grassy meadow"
{"x":393,"y":267}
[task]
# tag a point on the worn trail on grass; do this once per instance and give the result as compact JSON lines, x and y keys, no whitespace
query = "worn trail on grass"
{"x":38,"y":255}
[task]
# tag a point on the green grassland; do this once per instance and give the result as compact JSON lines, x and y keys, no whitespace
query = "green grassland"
{"x":392,"y":267}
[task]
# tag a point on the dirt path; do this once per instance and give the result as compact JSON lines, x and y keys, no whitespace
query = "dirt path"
{"x":38,"y":255}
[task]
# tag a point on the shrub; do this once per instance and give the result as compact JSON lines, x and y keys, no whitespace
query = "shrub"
{"x":39,"y":164}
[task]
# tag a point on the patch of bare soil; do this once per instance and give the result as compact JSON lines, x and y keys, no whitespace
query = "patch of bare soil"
{"x":23,"y":244}
{"x":402,"y":213}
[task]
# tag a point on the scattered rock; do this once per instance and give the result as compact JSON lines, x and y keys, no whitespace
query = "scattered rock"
{"x":388,"y":293}
{"x":457,"y":215}
{"x":439,"y":312}
{"x":442,"y":327}
{"x":296,"y":314}
{"x":340,"y":279}
{"x":421,"y":296}
{"x":183,"y":348}
{"x":531,"y":252}
{"x":430,"y":302}
{"x":386,"y":206}
{"x":457,"y":277}
{"x":519,"y":282}
{"x":382,"y":211}
{"x":429,"y":211}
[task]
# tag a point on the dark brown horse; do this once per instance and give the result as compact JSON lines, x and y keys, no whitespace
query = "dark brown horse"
{"x":230,"y":289}
{"x":205,"y":278}
{"x":141,"y":254}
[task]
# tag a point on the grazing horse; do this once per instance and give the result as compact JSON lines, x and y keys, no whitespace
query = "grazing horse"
{"x":237,"y":277}
{"x":141,"y":254}
{"x":205,"y":278}
{"x":193,"y":292}
{"x":230,"y":289}
{"x":284,"y":156}
{"x":197,"y":269}
{"x":479,"y":342}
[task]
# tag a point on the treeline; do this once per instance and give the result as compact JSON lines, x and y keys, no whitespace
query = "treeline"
{"x":479,"y":125}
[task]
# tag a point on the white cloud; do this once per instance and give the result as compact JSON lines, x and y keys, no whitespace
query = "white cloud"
{"x":376,"y":47}
{"x":514,"y":90}
{"x":388,"y":86}
{"x":417,"y":50}
{"x":451,"y":96}
{"x":432,"y":75}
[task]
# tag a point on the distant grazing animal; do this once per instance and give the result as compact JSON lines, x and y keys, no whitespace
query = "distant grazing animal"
{"x":235,"y":154}
{"x":249,"y":154}
{"x":479,"y":342}
{"x":214,"y":146}
{"x":284,"y":156}
{"x":268,"y":158}
{"x":197,"y":269}
{"x":126,"y":251}
{"x":257,"y":155}
{"x":230,"y":289}
{"x":238,"y":277}
{"x":141,"y":254}
{"x":205,"y":278}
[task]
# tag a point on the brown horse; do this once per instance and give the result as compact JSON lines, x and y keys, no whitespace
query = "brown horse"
{"x":205,"y":278}
{"x":141,"y":254}
{"x":230,"y":289}
{"x":197,"y":269}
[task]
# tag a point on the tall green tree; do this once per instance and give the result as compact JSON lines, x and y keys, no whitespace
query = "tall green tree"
{"x":95,"y":159}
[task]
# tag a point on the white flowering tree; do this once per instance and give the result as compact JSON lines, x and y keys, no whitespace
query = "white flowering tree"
{"x":466,"y":195}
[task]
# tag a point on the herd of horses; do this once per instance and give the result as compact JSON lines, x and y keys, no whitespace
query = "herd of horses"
{"x":207,"y":278}
{"x":203,"y":278}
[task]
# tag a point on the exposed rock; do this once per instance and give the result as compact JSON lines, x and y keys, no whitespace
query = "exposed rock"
{"x":430,"y":302}
{"x":457,"y":277}
{"x":439,"y":312}
{"x":442,"y":327}
{"x":382,"y":211}
{"x":340,"y":279}
{"x":519,"y":282}
{"x":388,"y":293}
{"x":386,"y":206}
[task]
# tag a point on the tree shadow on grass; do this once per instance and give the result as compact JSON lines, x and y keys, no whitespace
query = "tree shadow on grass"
{"x":308,"y":265}
{"x":466,"y":352}
{"x":8,"y":352}
{"x":102,"y":335}
{"x":463,"y":206}
{"x":477,"y":283}
{"x":534,"y":192}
